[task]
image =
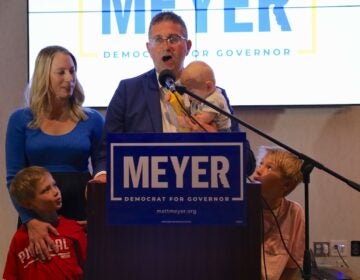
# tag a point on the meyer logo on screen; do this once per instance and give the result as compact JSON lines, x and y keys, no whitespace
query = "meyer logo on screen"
{"x":176,"y":169}
{"x":123,"y":11}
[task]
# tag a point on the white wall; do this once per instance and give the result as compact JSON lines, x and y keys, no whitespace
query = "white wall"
{"x":329,"y":135}
{"x":13,"y":77}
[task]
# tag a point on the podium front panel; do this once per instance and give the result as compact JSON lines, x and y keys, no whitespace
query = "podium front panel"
{"x":172,"y":251}
{"x":168,"y":178}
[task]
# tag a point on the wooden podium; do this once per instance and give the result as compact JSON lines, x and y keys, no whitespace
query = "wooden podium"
{"x":172,"y":252}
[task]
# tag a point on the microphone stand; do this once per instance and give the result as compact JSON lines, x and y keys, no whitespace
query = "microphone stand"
{"x":307,"y":167}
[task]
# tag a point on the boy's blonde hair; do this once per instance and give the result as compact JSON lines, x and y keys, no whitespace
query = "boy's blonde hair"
{"x":287,"y":163}
{"x":23,"y":186}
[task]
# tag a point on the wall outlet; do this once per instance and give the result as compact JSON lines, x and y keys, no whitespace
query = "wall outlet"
{"x":338,"y":247}
{"x":321,"y":249}
{"x":355,"y":248}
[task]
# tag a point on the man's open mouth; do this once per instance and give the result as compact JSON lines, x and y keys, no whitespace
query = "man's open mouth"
{"x":166,"y":58}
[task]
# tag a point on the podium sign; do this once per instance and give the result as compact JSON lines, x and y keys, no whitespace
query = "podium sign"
{"x":176,"y":178}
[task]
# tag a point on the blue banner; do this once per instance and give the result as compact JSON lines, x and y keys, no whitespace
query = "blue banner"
{"x":171,"y":178}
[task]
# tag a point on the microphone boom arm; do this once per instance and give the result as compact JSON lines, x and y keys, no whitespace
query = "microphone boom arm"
{"x":167,"y":79}
{"x":307,"y":167}
{"x":305,"y":158}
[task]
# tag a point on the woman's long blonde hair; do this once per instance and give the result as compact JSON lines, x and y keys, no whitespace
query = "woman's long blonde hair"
{"x":40,"y":88}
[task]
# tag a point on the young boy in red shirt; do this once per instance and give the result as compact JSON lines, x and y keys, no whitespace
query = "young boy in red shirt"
{"x":34,"y":188}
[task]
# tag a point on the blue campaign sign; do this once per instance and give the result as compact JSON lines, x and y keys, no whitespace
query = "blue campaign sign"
{"x":167,"y":178}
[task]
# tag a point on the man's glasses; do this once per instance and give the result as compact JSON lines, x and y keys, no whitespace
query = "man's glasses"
{"x":173,"y":39}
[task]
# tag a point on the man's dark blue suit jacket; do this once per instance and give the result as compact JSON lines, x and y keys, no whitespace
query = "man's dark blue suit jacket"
{"x":135,"y":107}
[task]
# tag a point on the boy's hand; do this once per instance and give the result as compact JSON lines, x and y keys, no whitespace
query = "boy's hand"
{"x":40,"y":240}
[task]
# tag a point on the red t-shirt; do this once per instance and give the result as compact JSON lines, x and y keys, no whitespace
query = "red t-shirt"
{"x":66,"y":264}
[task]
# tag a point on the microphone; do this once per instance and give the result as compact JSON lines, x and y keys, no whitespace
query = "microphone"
{"x":167,"y":79}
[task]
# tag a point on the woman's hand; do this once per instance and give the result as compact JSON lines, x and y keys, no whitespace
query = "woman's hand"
{"x":98,"y":179}
{"x":83,"y":224}
{"x":39,"y":239}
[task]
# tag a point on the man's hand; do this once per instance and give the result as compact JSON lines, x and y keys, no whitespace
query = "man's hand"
{"x":99,"y":179}
{"x":197,"y":128}
{"x":40,"y":240}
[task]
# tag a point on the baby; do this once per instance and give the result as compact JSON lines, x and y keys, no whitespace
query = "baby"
{"x":199,"y":78}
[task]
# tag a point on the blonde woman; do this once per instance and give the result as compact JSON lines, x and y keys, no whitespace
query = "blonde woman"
{"x":55,"y":132}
